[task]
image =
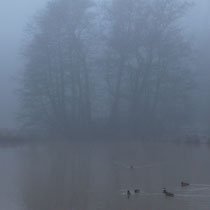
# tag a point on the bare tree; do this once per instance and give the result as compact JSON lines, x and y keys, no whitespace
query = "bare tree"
{"x":56,"y":89}
{"x":129,"y":63}
{"x":147,"y":55}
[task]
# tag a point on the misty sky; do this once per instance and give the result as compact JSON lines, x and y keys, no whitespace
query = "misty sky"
{"x":14,"y":14}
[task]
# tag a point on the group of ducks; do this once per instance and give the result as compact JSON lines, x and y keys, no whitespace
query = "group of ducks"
{"x":136,"y":191}
{"x":168,"y":194}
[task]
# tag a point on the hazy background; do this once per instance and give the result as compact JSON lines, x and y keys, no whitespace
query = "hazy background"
{"x":15,"y":14}
{"x":93,"y":174}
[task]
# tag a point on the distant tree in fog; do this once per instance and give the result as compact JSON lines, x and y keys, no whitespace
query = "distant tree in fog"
{"x":56,"y":88}
{"x":134,"y":69}
{"x":147,"y":61}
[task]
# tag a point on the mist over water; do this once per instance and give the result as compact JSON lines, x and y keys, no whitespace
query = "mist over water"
{"x":97,"y":176}
{"x":104,"y":104}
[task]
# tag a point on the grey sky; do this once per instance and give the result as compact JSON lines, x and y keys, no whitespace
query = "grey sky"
{"x":14,"y":14}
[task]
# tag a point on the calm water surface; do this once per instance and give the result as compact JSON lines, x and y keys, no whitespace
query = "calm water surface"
{"x":95,"y":176}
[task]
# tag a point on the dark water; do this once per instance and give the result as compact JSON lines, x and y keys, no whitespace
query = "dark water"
{"x":95,"y":176}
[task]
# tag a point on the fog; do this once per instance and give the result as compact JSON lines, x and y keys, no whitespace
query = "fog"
{"x":104,"y":104}
{"x":14,"y":15}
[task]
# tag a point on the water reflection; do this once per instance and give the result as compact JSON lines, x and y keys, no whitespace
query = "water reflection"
{"x":97,"y":175}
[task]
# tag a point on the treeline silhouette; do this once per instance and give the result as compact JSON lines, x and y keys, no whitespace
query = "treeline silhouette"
{"x":121,"y":66}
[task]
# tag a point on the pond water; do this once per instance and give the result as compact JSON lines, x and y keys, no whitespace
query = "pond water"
{"x":97,"y":175}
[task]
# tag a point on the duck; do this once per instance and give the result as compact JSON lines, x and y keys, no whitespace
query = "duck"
{"x":167,"y":193}
{"x":136,"y":191}
{"x":128,"y":194}
{"x":184,"y":184}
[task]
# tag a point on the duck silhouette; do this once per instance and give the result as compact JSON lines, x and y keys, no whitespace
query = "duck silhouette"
{"x":136,"y":191}
{"x":128,"y":194}
{"x":184,"y":184}
{"x":169,"y":194}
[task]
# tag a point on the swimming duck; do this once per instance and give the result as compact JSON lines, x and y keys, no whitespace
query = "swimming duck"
{"x":136,"y":191}
{"x":184,"y":184}
{"x":128,"y":194}
{"x":167,"y":193}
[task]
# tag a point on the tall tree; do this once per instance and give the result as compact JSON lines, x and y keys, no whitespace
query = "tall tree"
{"x":147,"y":61}
{"x":129,"y":63}
{"x":56,"y":87}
